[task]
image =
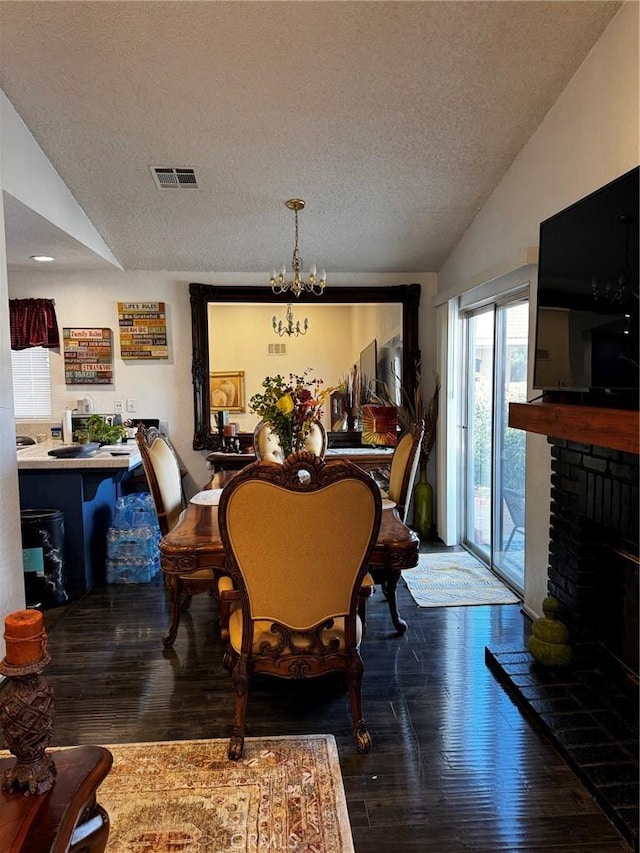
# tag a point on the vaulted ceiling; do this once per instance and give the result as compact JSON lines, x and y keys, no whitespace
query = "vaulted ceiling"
{"x":393,"y":120}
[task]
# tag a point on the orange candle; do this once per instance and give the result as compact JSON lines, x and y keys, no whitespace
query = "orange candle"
{"x":24,"y":637}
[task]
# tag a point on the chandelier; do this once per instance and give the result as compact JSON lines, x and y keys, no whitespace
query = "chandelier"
{"x":314,"y":283}
{"x":291,"y":327}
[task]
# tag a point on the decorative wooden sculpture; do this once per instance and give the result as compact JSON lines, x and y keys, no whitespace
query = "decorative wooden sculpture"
{"x":26,"y":704}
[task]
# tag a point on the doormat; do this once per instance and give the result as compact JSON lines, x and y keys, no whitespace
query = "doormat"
{"x":455,"y":579}
{"x":284,"y":794}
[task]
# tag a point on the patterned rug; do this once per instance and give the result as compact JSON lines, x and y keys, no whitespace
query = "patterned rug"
{"x":453,"y":579}
{"x":284,"y":796}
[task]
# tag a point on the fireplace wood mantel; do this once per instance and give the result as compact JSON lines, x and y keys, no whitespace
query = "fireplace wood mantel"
{"x":617,"y":429}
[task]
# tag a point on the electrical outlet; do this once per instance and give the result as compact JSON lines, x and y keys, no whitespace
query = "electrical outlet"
{"x":118,"y":407}
{"x":132,"y":405}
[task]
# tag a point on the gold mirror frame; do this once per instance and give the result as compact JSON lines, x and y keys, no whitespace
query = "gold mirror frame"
{"x":203,"y":295}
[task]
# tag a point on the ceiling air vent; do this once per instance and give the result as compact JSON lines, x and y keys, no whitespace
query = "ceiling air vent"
{"x":174,"y":177}
{"x":276,"y":349}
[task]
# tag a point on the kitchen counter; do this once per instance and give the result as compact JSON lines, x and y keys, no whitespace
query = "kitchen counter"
{"x":37,"y":456}
{"x":85,"y":489}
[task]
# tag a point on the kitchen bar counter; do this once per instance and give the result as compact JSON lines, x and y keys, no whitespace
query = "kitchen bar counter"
{"x":37,"y":456}
{"x":85,"y":489}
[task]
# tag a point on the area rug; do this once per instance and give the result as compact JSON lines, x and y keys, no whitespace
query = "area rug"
{"x":284,"y":796}
{"x":454,"y":579}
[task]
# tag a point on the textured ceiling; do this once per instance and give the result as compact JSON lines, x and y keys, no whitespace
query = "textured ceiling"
{"x":394,"y":121}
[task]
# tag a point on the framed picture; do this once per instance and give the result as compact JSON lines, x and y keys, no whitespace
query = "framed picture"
{"x":226,"y":391}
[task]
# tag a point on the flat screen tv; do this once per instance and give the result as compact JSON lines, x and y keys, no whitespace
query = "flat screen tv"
{"x":587,"y":313}
{"x":369,"y":370}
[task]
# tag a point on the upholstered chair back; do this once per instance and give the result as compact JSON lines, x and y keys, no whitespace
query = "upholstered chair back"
{"x":300,"y":553}
{"x":162,"y":470}
{"x":404,"y":466}
{"x":265,"y":443}
{"x":267,"y":447}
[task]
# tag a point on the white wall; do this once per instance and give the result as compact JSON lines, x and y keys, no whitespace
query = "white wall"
{"x":11,"y":583}
{"x":589,"y":137}
{"x":30,"y":178}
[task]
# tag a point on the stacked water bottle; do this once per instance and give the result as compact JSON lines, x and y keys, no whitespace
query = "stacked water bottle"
{"x":132,"y":542}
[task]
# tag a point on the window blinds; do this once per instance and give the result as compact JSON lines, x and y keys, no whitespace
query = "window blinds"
{"x":31,"y":383}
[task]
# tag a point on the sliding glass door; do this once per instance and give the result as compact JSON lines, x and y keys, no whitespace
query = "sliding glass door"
{"x":496,"y":374}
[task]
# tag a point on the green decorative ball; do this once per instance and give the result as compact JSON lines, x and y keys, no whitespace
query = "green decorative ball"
{"x":550,"y":631}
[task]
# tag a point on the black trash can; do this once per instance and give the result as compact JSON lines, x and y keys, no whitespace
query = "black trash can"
{"x":43,"y":557}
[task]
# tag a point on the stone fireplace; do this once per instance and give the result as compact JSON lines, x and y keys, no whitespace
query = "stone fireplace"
{"x":593,"y":554}
{"x":589,"y":711}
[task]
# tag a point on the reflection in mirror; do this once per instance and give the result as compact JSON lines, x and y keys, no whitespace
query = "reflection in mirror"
{"x":241,"y":339}
{"x":233,"y":337}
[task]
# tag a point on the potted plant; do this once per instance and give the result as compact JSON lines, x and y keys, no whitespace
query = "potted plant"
{"x":104,"y":433}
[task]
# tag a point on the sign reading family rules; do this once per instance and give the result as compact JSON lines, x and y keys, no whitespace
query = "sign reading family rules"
{"x":88,"y":356}
{"x":143,"y":330}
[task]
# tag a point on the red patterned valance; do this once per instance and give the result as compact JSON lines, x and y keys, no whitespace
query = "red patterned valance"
{"x":33,"y":323}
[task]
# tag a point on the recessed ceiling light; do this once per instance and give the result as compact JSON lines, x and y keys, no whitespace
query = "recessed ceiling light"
{"x":44,"y":259}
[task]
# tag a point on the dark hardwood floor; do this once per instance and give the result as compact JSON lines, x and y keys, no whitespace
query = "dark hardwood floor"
{"x":454,"y":766}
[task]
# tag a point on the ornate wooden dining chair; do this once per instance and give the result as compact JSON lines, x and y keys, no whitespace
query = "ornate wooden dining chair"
{"x":162,"y":471}
{"x":404,"y":467}
{"x":267,"y":447}
{"x":298,"y":537}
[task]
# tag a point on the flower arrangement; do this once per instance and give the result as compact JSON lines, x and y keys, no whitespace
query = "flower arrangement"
{"x":290,"y":406}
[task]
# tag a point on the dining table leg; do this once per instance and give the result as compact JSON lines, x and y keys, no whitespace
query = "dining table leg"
{"x":389,"y":588}
{"x":388,"y":579}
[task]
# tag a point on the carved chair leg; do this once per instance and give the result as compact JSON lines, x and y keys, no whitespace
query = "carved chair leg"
{"x":241,"y":691}
{"x":224,"y":612}
{"x":186,"y":603}
{"x":363,"y":597}
{"x":354,"y":679}
{"x":175,"y":585}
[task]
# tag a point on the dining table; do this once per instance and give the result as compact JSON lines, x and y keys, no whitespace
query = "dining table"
{"x":194,"y":543}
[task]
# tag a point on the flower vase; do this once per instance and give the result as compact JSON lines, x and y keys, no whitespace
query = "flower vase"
{"x":423,"y":504}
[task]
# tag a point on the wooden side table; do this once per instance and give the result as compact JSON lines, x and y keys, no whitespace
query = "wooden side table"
{"x":67,"y":818}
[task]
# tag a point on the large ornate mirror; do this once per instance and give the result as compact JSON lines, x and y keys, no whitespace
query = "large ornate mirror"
{"x":234,"y":311}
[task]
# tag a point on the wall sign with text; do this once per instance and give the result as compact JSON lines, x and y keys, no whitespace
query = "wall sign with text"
{"x":143,"y":330}
{"x":88,"y":356}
